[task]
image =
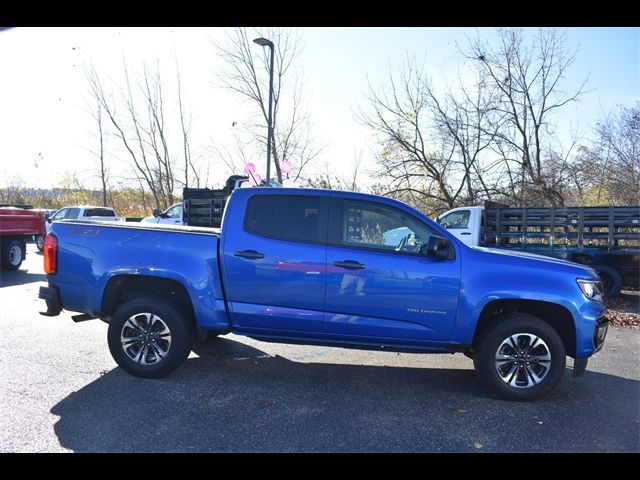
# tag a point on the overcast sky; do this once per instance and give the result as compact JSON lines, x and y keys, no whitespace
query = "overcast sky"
{"x":45,"y":132}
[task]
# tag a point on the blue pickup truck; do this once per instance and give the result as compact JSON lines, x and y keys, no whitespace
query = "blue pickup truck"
{"x":326,"y":268}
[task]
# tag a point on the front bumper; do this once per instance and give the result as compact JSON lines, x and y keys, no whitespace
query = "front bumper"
{"x":602,"y":327}
{"x":52,"y":297}
{"x":599,"y":334}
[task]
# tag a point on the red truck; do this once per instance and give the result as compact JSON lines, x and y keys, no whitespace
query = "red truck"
{"x":16,"y":226}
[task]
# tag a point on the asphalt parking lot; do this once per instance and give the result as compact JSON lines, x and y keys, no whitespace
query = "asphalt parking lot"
{"x":61,"y":391}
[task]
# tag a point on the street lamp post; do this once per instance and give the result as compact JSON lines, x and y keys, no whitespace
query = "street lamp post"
{"x":263,"y":42}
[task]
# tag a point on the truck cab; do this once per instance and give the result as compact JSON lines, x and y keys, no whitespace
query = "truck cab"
{"x":464,"y":223}
{"x":171,"y":216}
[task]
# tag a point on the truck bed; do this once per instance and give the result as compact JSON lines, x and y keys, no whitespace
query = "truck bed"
{"x":95,"y":254}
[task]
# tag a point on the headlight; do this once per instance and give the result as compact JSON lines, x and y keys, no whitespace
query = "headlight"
{"x":592,"y":289}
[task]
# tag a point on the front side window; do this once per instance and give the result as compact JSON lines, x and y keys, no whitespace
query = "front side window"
{"x":60,"y":214}
{"x":370,"y":225}
{"x":287,"y":217}
{"x":175,"y":211}
{"x":453,"y":220}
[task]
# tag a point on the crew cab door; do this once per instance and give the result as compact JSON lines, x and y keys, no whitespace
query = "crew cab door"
{"x":379,"y":286}
{"x":274,"y":261}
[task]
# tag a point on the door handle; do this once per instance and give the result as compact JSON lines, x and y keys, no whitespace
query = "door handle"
{"x":465,"y":233}
{"x":248,"y":254}
{"x":350,"y":264}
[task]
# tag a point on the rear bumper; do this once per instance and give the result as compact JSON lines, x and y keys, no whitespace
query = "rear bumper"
{"x":52,"y":297}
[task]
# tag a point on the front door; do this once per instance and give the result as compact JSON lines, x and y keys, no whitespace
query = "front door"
{"x":274,"y":262}
{"x":379,"y":285}
{"x":461,"y":224}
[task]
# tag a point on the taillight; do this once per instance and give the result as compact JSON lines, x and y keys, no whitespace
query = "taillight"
{"x":50,"y":254}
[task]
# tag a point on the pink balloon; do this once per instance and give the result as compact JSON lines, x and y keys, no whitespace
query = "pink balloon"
{"x":249,"y":168}
{"x":285,"y":166}
{"x":255,"y":179}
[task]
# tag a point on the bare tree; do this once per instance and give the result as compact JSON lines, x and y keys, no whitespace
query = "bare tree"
{"x":97,"y":115}
{"x":186,"y":147}
{"x":247,"y":74}
{"x":529,"y":77}
{"x":143,"y":131}
{"x":432,"y":144}
{"x":608,"y":170}
{"x":335,"y":181}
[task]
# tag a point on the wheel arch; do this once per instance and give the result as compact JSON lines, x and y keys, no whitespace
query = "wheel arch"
{"x":121,"y":288}
{"x":557,"y":316}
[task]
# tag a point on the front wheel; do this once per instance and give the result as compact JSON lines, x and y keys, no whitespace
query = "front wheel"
{"x":149,"y":337}
{"x":521,"y":357}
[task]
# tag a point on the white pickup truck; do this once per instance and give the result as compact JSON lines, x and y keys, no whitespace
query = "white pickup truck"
{"x":605,"y":238}
{"x":172,"y":215}
{"x":83,"y":212}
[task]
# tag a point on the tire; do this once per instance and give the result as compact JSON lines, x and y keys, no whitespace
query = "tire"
{"x":611,"y":280}
{"x":12,"y":254}
{"x":212,"y":335}
{"x":516,"y":379}
{"x":40,"y":242}
{"x":170,"y":337}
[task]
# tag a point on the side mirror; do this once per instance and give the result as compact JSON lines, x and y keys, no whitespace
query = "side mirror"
{"x":438,"y":247}
{"x":156,"y":212}
{"x":48,"y":220}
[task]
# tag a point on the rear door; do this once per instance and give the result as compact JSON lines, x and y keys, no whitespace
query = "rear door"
{"x":273,"y":262}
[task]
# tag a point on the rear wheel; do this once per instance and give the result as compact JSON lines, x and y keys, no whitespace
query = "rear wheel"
{"x":40,"y":242}
{"x":149,"y":337}
{"x":12,"y":254}
{"x":520,"y":358}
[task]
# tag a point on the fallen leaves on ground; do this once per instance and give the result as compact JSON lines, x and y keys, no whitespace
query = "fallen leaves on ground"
{"x":623,"y":312}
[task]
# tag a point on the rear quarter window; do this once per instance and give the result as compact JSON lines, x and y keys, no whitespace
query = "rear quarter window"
{"x":99,"y":212}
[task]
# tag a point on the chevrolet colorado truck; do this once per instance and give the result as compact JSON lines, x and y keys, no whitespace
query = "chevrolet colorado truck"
{"x":327,"y":268}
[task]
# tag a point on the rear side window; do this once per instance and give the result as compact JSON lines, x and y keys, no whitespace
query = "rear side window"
{"x":73,"y":213}
{"x":99,"y":212}
{"x":286,"y":217}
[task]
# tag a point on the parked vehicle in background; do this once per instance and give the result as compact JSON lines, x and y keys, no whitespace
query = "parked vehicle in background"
{"x":39,"y":239}
{"x":329,"y":268}
{"x":605,"y":238}
{"x":16,"y":227}
{"x":172,"y":215}
{"x":82,"y":212}
{"x":204,"y":207}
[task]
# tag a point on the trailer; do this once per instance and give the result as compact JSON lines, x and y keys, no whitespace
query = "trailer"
{"x":16,"y":227}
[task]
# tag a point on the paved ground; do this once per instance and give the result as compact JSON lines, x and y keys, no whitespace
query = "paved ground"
{"x":61,"y":391}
